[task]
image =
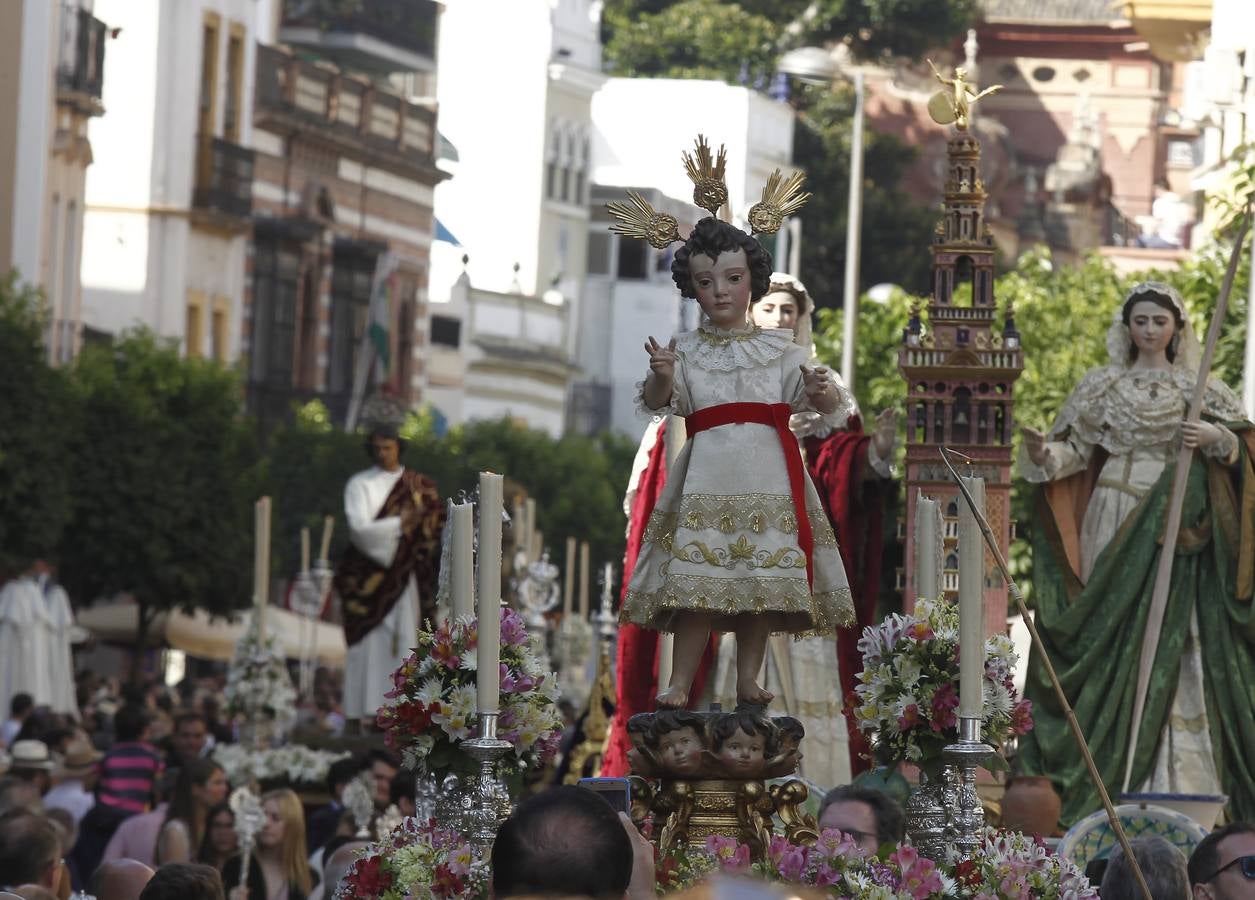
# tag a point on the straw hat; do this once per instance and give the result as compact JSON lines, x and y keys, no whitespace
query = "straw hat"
{"x":30,"y":754}
{"x":79,"y":760}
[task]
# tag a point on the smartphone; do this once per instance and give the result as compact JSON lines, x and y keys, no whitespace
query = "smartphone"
{"x":615,"y":791}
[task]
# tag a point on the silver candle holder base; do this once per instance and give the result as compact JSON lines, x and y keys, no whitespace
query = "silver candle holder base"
{"x":945,"y":818}
{"x":489,"y":800}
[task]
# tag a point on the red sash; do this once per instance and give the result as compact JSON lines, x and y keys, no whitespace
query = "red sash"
{"x":775,"y":415}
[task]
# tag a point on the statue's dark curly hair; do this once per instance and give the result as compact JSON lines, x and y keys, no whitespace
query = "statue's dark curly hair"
{"x":712,"y":236}
{"x":1160,"y":299}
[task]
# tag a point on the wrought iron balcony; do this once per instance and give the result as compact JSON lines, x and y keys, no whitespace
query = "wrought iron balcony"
{"x":80,"y":71}
{"x":224,"y":182}
{"x":376,"y":36}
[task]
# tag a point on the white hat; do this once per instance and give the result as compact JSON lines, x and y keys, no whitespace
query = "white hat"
{"x":30,"y":754}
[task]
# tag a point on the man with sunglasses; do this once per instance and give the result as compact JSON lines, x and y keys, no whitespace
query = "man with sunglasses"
{"x":1222,"y":866}
{"x":869,"y":817}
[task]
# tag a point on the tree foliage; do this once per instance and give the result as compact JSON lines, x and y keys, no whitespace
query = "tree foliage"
{"x":163,"y":473}
{"x":36,"y":421}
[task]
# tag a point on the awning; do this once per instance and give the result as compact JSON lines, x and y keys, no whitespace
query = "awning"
{"x":199,"y":636}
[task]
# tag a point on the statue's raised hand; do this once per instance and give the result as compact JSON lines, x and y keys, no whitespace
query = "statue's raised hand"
{"x":661,"y":359}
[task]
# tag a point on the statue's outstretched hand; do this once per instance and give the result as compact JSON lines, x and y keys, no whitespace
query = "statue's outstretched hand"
{"x":1035,"y":446}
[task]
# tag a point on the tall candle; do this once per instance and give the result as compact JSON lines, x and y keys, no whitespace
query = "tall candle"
{"x":461,"y":582}
{"x":971,"y":603}
{"x":529,"y":536}
{"x":607,"y":585}
{"x":568,"y":593}
{"x":583,"y":611}
{"x":488,"y":658}
{"x":304,"y":550}
{"x":328,"y":523}
{"x":263,"y":564}
{"x":538,"y":545}
{"x":926,"y":547}
{"x":518,"y":526}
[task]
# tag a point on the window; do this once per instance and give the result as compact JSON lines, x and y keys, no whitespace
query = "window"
{"x":1043,"y":73}
{"x":220,"y":329}
{"x":446,"y":331}
{"x":276,"y":265}
{"x":209,"y":73}
{"x":633,"y":260}
{"x":235,"y":84}
{"x":598,"y":254}
{"x":353,"y":271}
{"x":195,"y":335}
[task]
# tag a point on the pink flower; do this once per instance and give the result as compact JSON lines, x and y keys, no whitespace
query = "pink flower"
{"x":513,"y":630}
{"x":920,"y":876}
{"x":945,"y":701}
{"x":1022,"y":717}
{"x":444,"y":652}
{"x":921,"y":631}
{"x":834,"y":844}
{"x":515,"y":684}
{"x":909,"y":718}
{"x":792,"y":863}
{"x":731,"y":855}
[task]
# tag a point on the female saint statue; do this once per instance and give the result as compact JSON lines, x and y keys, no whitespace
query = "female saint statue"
{"x":1106,"y":467}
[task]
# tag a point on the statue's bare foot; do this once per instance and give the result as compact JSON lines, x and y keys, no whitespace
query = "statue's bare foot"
{"x":672,"y":698}
{"x":753,"y":694}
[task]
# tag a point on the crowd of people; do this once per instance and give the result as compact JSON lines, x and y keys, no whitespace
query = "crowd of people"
{"x":109,"y":807}
{"x":126,"y":800}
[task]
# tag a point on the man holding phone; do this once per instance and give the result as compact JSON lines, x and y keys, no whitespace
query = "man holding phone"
{"x":569,"y":841}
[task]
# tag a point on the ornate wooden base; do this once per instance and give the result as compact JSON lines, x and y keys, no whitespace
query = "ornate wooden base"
{"x":687,"y":811}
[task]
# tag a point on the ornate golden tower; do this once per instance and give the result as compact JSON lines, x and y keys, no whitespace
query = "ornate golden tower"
{"x":960,"y":374}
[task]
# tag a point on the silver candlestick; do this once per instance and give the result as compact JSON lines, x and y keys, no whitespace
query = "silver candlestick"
{"x":489,"y":799}
{"x":967,"y":815}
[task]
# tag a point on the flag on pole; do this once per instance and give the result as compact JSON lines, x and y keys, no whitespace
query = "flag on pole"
{"x":376,"y":340}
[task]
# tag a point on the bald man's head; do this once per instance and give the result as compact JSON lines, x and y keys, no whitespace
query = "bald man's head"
{"x":120,"y":879}
{"x":339,"y":863}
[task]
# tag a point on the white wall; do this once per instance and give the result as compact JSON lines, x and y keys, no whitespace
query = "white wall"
{"x":40,"y":43}
{"x":140,"y":254}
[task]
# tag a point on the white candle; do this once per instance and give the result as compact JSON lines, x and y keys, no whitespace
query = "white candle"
{"x":971,"y":603}
{"x":568,"y":593}
{"x":538,"y":545}
{"x":607,"y":585}
{"x":926,"y":547}
{"x":328,"y":523}
{"x":259,"y":524}
{"x":518,"y":526}
{"x":263,"y":561}
{"x":488,"y":657}
{"x":304,"y":550}
{"x":583,"y":611}
{"x":461,"y":582}
{"x":529,"y":536}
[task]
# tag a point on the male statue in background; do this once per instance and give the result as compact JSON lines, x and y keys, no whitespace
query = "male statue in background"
{"x":395,"y":519}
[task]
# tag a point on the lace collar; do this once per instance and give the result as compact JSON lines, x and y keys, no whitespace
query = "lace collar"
{"x":722,"y":350}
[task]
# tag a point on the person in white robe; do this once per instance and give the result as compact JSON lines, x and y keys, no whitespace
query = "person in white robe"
{"x":24,"y":642}
{"x":395,"y":519}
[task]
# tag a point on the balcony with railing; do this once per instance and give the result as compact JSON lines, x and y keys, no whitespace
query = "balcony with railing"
{"x":361,"y":119}
{"x":223,"y":195}
{"x":81,"y":65}
{"x":374,"y":36}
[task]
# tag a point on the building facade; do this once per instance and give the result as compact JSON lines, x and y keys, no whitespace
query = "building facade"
{"x":169,"y":196}
{"x":52,"y":58}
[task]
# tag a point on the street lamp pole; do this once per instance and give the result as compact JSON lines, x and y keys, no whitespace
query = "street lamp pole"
{"x":853,"y":235}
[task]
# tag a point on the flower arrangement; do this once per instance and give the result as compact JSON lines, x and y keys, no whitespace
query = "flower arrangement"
{"x":258,"y":683}
{"x":1007,"y":866}
{"x":431,"y":709}
{"x":294,"y":763}
{"x":417,"y":861}
{"x":908,"y":693}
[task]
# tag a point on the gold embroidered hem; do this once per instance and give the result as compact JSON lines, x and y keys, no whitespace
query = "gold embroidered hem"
{"x":731,"y":513}
{"x":788,"y":600}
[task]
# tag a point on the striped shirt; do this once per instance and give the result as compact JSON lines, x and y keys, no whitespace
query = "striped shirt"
{"x":127,"y":775}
